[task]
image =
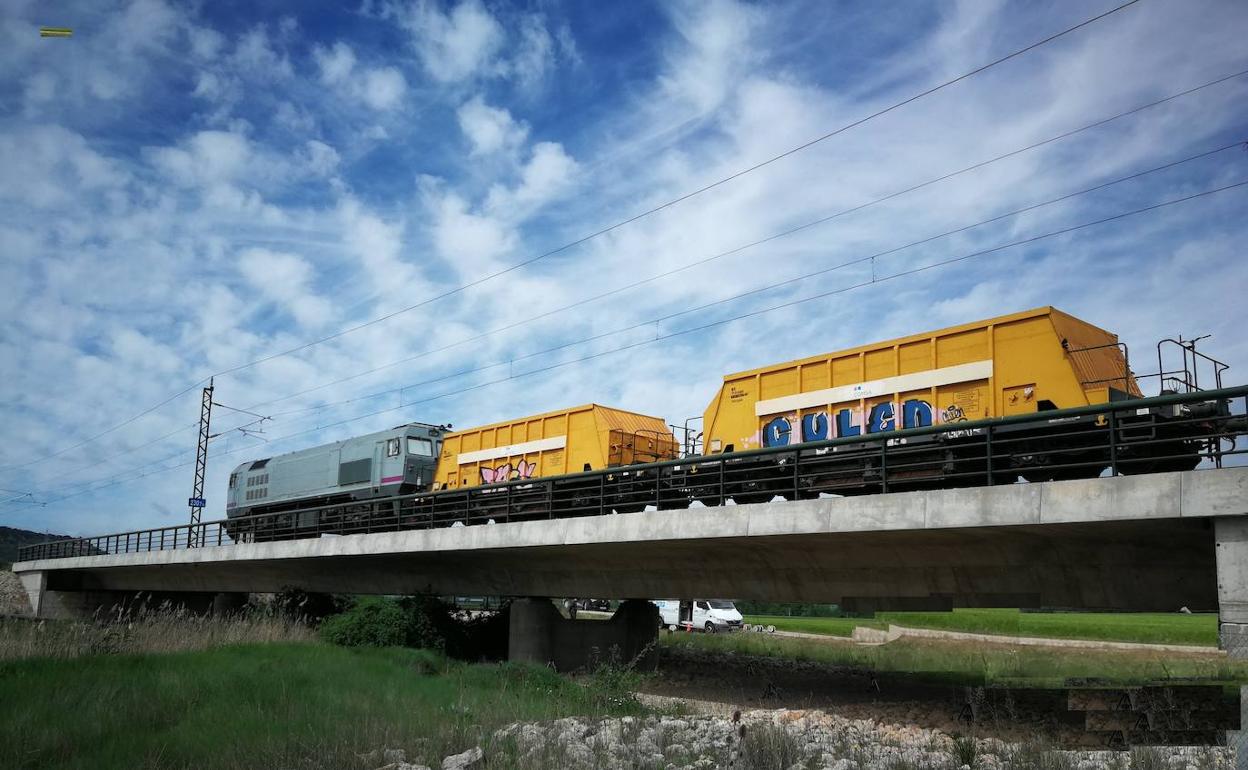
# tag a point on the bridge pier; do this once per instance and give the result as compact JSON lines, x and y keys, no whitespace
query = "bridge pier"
{"x":1231,"y":535}
{"x":539,"y":634}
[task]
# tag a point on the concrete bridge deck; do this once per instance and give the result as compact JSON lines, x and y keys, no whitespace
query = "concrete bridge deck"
{"x":1150,"y":542}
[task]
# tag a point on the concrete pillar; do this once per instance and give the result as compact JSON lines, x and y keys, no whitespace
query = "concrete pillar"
{"x":638,"y":621}
{"x":228,"y":603}
{"x":1231,"y":536}
{"x":35,"y":584}
{"x":539,"y":634}
{"x":531,"y":634}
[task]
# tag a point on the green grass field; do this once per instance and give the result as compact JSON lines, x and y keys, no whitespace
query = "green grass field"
{"x":268,"y":705}
{"x":977,"y":663}
{"x":1148,"y":627}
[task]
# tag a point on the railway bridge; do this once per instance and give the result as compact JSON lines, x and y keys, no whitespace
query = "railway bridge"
{"x":1154,"y":542}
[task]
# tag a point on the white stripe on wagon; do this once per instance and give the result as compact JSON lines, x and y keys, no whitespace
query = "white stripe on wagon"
{"x":976,"y":370}
{"x":511,"y":450}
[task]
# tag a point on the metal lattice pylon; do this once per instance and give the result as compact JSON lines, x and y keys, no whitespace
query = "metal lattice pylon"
{"x":195,"y":534}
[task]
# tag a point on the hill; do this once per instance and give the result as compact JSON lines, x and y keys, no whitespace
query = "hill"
{"x":12,"y":538}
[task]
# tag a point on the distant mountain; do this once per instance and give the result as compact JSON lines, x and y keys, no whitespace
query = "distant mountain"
{"x":12,"y":538}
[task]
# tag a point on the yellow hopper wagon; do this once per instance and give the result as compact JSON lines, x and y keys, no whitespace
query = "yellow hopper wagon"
{"x":560,"y":443}
{"x":1033,"y":361}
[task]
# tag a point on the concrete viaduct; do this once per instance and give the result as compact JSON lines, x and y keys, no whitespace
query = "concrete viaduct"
{"x":1151,"y":542}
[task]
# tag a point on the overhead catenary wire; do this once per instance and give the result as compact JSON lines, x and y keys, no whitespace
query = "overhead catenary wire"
{"x":645,"y":323}
{"x":601,"y":231}
{"x":767,"y":239}
{"x":789,"y":281}
{"x":714,"y":324}
{"x":859,"y":260}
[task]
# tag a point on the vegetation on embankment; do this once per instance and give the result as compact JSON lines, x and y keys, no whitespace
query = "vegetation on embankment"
{"x":12,"y":538}
{"x":973,"y":663}
{"x":308,"y":705}
{"x":1146,"y":627}
{"x":143,"y":631}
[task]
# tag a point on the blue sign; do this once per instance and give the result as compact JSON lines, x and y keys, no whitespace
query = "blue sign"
{"x":196,"y":502}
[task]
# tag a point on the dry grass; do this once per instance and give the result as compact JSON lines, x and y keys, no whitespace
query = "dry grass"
{"x":158,"y":630}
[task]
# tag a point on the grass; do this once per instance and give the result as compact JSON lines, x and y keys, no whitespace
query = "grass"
{"x":975,"y":663}
{"x":1147,"y":627}
{"x":143,"y":631}
{"x":825,"y":626}
{"x":273,"y":705}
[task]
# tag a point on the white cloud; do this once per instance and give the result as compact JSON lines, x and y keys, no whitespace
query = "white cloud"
{"x":714,"y":53}
{"x":336,"y":63}
{"x":456,"y":45}
{"x":490,"y":129}
{"x":256,"y":57}
{"x":286,"y":279}
{"x":383,"y":88}
{"x":322,"y":159}
{"x":208,"y":157}
{"x":470,"y":243}
{"x":547,"y":175}
{"x":380,"y":88}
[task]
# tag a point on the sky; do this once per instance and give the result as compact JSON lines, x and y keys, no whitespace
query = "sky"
{"x":187,"y":189}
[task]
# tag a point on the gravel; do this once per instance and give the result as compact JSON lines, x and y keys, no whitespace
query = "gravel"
{"x":787,"y":739}
{"x":13,"y":599}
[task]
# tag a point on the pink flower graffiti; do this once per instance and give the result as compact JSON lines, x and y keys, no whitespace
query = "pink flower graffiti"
{"x":506,"y":472}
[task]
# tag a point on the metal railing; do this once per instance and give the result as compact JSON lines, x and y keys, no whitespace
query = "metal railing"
{"x":1122,"y":437}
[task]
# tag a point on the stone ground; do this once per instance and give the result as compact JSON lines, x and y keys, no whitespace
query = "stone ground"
{"x":13,"y":599}
{"x":785,"y":740}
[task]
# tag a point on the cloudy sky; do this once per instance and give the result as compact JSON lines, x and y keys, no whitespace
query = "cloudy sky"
{"x":189,"y":189}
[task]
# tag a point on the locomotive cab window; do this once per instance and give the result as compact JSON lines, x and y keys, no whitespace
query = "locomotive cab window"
{"x":392,"y":447}
{"x":420,"y":446}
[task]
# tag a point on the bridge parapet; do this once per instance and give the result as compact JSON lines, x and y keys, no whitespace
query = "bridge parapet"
{"x":1082,"y":442}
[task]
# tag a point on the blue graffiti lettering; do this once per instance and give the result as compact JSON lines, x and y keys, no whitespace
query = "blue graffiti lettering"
{"x":882,"y":418}
{"x":814,"y":426}
{"x":845,"y":424}
{"x":916,"y":414}
{"x":776,"y":432}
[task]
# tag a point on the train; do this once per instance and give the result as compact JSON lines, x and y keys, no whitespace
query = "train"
{"x":990,"y":372}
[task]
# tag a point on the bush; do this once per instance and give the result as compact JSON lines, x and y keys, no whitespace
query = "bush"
{"x":370,"y":622}
{"x":421,"y":621}
{"x":769,"y":747}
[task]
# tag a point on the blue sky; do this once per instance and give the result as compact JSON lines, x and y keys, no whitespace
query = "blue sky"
{"x":190,"y":187}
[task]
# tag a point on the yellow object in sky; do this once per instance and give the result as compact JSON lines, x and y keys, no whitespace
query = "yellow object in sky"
{"x":1026,"y":362}
{"x":55,"y":32}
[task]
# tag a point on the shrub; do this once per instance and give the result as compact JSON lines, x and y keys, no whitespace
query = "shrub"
{"x":769,"y":747}
{"x":964,"y":751}
{"x":421,"y":621}
{"x":370,"y":622}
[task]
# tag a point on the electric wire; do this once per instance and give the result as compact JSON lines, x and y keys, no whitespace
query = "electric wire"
{"x":769,"y":287}
{"x":697,"y":263}
{"x":758,"y":290}
{"x":714,"y":324}
{"x":602,"y":231}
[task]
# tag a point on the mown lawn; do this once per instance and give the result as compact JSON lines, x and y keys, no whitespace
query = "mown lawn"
{"x":826,"y":626}
{"x":976,"y":662}
{"x":1148,"y":627}
{"x":272,"y":705}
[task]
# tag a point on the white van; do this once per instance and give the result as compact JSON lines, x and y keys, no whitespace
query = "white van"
{"x":709,"y":615}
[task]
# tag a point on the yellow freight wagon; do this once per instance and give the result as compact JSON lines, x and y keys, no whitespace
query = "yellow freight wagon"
{"x":1025,"y":362}
{"x":589,"y":437}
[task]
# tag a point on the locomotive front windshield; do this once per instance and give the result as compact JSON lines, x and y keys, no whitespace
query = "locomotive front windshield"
{"x":419,"y":446}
